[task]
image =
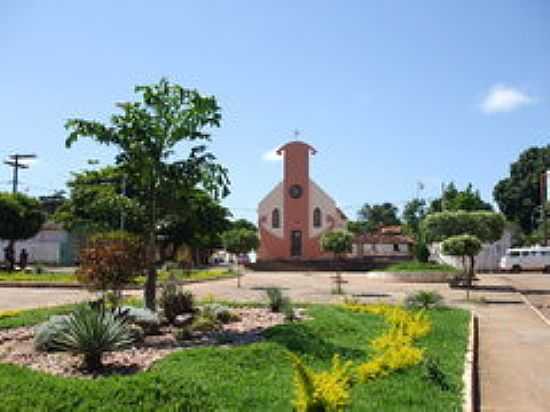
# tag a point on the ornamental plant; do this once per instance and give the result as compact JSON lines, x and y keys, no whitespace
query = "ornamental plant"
{"x":174,"y":301}
{"x":92,"y":332}
{"x":111,"y":261}
{"x":326,"y":391}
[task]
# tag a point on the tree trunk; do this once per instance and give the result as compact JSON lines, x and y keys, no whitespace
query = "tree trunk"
{"x":92,"y":361}
{"x":470,"y":277}
{"x":150,"y":287}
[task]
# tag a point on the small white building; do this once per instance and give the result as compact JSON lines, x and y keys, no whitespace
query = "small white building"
{"x":386,"y":241}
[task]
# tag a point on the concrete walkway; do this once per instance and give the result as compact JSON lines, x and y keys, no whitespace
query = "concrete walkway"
{"x":27,"y":298}
{"x":514,"y":352}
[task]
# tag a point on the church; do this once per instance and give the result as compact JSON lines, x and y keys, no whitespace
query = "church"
{"x":295,"y":214}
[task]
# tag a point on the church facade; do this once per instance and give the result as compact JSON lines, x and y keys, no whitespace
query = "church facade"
{"x":295,"y":214}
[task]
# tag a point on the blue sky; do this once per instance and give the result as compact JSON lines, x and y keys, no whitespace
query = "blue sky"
{"x":389,"y":92}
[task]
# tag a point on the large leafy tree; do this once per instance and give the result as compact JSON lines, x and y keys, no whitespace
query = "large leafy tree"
{"x":518,"y":195}
{"x":98,"y":203}
{"x":374,"y":216}
{"x":197,"y":220}
{"x":20,"y":218}
{"x":146,"y":134}
{"x":453,"y":199}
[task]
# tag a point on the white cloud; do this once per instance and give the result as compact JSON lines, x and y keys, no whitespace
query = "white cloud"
{"x":501,"y":98}
{"x":272,"y":156}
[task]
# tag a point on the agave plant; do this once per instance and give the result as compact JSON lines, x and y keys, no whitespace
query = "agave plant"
{"x":423,"y":299}
{"x":92,"y":332}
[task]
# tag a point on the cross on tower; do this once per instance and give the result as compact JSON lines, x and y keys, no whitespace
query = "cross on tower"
{"x":296,"y":133}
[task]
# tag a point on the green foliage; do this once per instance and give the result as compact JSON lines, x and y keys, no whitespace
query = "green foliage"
{"x":218,"y":313}
{"x":423,"y":299}
{"x":146,"y":134}
{"x":91,"y":332}
{"x":374,"y":216}
{"x":205,"y":324}
{"x":148,"y":320}
{"x":518,"y":194}
{"x":461,"y":245}
{"x":486,"y":226}
{"x":240,"y":240}
{"x":20,"y":216}
{"x":415,"y":266}
{"x":174,"y":301}
{"x":244,"y":224}
{"x":453,"y":200}
{"x":97,"y":201}
{"x":435,"y":374}
{"x":421,"y":251}
{"x":337,"y":242}
{"x":111,"y":261}
{"x":414,"y":212}
{"x":257,"y":376}
{"x":276,"y":299}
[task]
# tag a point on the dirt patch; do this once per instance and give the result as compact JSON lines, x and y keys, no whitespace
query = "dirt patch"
{"x":16,"y":346}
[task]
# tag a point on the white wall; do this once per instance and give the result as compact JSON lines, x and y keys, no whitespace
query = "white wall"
{"x":274,"y":199}
{"x":487,"y":260}
{"x":319,"y":198}
{"x":44,"y":247}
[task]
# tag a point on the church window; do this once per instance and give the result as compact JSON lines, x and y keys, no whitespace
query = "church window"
{"x":317,"y":218}
{"x":275,"y":219}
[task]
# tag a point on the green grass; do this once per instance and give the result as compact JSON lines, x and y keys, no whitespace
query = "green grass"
{"x":415,"y":266}
{"x":256,"y":377}
{"x":195,"y":275}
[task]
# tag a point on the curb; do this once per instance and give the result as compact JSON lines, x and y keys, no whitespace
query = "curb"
{"x":536,"y":310}
{"x":470,"y":376}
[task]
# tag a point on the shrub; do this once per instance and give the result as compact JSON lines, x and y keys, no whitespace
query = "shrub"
{"x":327,"y":391}
{"x":205,"y":324}
{"x":91,"y":332}
{"x":218,"y":313}
{"x":174,"y":301}
{"x":148,"y":320}
{"x":288,"y":311}
{"x":111,"y":261}
{"x":276,"y":299}
{"x":46,"y":333}
{"x":423,"y":299}
{"x":183,"y":334}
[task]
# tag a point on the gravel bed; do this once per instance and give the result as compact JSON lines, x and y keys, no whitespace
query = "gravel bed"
{"x":16,"y":346}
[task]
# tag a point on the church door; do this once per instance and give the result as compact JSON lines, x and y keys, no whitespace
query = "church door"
{"x":296,"y":243}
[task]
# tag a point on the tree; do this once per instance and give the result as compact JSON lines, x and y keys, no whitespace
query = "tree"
{"x":244,"y":224}
{"x":356,"y":227}
{"x":374,"y":216}
{"x":338,"y":242}
{"x":197,"y":221}
{"x":146,"y":134}
{"x":463,"y":230}
{"x":98,"y":203}
{"x":414,"y":212}
{"x":239,"y":241}
{"x":20,"y":218}
{"x":454,"y":199}
{"x":464,"y":246}
{"x":518,"y":195}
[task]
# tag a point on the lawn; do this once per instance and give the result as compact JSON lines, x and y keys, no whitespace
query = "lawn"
{"x":415,"y":266}
{"x":256,"y":377}
{"x":195,"y":275}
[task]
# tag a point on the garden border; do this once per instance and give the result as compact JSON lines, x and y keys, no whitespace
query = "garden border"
{"x":471,"y":401}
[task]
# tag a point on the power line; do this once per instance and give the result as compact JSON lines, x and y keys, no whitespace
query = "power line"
{"x":16,"y":165}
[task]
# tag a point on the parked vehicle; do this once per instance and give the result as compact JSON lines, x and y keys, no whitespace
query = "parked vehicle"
{"x":528,"y":258}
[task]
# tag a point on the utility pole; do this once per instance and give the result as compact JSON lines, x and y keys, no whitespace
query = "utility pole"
{"x":15,"y":163}
{"x":544,"y":200}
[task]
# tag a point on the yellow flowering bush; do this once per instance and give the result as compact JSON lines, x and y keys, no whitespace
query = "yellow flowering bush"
{"x":327,"y":391}
{"x":9,"y":313}
{"x":394,"y":349}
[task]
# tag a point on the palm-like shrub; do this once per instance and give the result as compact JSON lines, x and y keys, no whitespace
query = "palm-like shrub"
{"x":424,"y":299}
{"x":276,"y":299}
{"x":91,"y":332}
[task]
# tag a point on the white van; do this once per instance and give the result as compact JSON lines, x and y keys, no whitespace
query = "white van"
{"x":526,"y":258}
